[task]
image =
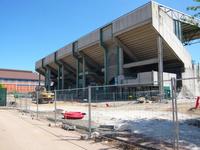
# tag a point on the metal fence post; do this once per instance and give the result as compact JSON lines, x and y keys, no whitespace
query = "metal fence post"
{"x":26,"y":104}
{"x":173,"y":131}
{"x":37,"y":99}
{"x":89,"y":111}
{"x":55,"y":107}
{"x":175,"y":116}
{"x":20,"y":104}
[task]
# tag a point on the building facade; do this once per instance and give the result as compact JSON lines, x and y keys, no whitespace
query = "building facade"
{"x":19,"y":80}
{"x":149,"y":38}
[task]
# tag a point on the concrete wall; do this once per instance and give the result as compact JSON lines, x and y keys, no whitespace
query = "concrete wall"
{"x":64,"y":51}
{"x":163,"y":24}
{"x":38,"y":64}
{"x":88,"y":40}
{"x":49,"y":59}
{"x":191,"y":87}
{"x":150,"y":78}
{"x":132,"y":19}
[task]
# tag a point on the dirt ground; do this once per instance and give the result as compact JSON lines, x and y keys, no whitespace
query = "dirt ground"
{"x":20,"y":132}
{"x":147,"y":119}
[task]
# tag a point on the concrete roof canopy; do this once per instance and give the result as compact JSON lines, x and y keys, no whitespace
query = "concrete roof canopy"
{"x":136,"y":32}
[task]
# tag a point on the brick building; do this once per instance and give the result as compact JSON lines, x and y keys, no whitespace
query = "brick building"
{"x":19,"y":80}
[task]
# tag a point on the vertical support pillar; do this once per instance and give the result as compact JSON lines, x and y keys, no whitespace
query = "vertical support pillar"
{"x":83,"y":70}
{"x":46,"y":78}
{"x":77,"y":72}
{"x":63,"y":77}
{"x":121,"y":61}
{"x":105,"y":66}
{"x":49,"y":79}
{"x":160,"y":66}
{"x":117,"y":62}
{"x":105,"y":57}
{"x":39,"y":83}
{"x":58,"y":78}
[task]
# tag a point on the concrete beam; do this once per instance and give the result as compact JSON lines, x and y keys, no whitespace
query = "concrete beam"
{"x":53,"y":71}
{"x":91,"y":63}
{"x":40,"y":71}
{"x":141,"y":63}
{"x":126,"y":49}
{"x":93,"y":74}
{"x":68,"y":67}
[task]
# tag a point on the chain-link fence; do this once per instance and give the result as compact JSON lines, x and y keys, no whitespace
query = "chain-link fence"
{"x":20,"y":101}
{"x":130,"y":114}
{"x":133,"y":114}
{"x":186,"y":106}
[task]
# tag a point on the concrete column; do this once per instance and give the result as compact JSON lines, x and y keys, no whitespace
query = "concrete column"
{"x":58,"y":78}
{"x":83,"y":69}
{"x":39,"y":79}
{"x":160,"y":66}
{"x":63,"y":77}
{"x":121,"y":61}
{"x":117,"y":62}
{"x":48,"y":79}
{"x":77,"y":72}
{"x":105,"y":66}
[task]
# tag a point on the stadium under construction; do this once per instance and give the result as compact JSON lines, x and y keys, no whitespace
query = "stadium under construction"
{"x":144,"y":48}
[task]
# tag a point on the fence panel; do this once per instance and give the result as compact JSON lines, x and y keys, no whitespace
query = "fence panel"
{"x":188,"y":112}
{"x":133,"y":114}
{"x":71,"y":109}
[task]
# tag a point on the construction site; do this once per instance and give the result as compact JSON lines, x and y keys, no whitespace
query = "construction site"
{"x":143,"y":46}
{"x":130,"y":84}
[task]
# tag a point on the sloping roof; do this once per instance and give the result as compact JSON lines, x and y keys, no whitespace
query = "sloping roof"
{"x":19,"y":74}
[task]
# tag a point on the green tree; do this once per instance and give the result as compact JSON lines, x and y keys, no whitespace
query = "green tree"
{"x":1,"y":86}
{"x":196,"y":8}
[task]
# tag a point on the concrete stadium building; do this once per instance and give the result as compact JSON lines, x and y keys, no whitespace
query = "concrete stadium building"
{"x":143,"y":46}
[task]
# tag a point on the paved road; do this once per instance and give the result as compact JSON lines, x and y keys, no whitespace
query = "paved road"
{"x":18,"y":132}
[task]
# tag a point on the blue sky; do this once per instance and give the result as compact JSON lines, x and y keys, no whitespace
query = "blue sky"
{"x":31,"y":29}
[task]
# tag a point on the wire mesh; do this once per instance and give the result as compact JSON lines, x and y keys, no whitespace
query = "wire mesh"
{"x":188,"y":111}
{"x":129,"y":113}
